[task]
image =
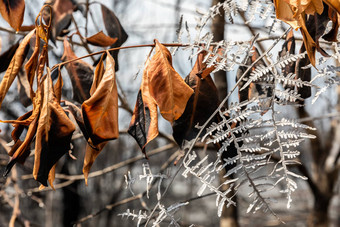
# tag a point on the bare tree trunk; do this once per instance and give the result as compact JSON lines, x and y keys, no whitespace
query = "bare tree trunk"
{"x":217,"y":30}
{"x":323,"y":175}
{"x":229,"y":215}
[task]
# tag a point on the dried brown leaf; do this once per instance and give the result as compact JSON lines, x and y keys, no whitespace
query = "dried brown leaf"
{"x":102,"y":40}
{"x":90,"y":156}
{"x":144,"y":123}
{"x":14,"y":66}
{"x":166,"y":86}
{"x":80,"y":72}
{"x":100,"y":111}
{"x":200,"y":106}
{"x":54,"y":132}
{"x":114,"y":29}
{"x":6,"y":57}
{"x":13,"y":12}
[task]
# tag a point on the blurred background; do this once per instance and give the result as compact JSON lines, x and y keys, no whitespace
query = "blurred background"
{"x":109,"y":194}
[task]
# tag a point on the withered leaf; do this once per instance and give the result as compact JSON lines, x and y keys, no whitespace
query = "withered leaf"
{"x":98,"y":74}
{"x":166,"y":86}
{"x":144,"y":123}
{"x":334,"y":4}
{"x":58,"y":85}
{"x":100,"y":39}
{"x":14,"y":66}
{"x":100,"y":111}
{"x":114,"y":30}
{"x":6,"y":57}
{"x":54,"y":132}
{"x":76,"y":113}
{"x":62,"y":16}
{"x":331,"y":36}
{"x":21,"y":149}
{"x":32,"y":63}
{"x":200,"y":106}
{"x":24,"y":90}
{"x":80,"y":72}
{"x":13,"y":12}
{"x":294,"y":13}
{"x":316,"y":25}
{"x":90,"y":156}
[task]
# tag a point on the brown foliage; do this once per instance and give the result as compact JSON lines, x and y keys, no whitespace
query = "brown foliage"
{"x":294,"y":13}
{"x":161,"y":86}
{"x":13,"y":12}
{"x":80,"y":72}
{"x":201,"y":104}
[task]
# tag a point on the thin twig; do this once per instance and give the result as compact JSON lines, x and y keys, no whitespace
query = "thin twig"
{"x":130,"y":199}
{"x":108,"y":169}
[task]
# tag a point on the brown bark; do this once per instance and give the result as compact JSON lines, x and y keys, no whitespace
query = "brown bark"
{"x":229,"y":215}
{"x":321,"y":178}
{"x":217,"y":30}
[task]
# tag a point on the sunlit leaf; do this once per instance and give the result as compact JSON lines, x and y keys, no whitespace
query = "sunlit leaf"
{"x":100,"y":111}
{"x":100,"y":39}
{"x":144,"y":123}
{"x":14,"y":66}
{"x":90,"y":156}
{"x":166,"y":86}
{"x":13,"y":12}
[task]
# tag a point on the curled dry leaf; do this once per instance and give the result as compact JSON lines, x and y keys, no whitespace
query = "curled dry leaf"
{"x":21,"y":149}
{"x":14,"y":66}
{"x":98,"y":74}
{"x":6,"y":57}
{"x":144,"y":123}
{"x":54,"y":132}
{"x":294,"y":13}
{"x":62,"y":16}
{"x":31,"y":64}
{"x":80,"y":72}
{"x":114,"y":30}
{"x":334,"y":4}
{"x":13,"y":12}
{"x":100,"y":111}
{"x":200,"y":106}
{"x":331,"y":36}
{"x":100,"y":39}
{"x":90,"y":156}
{"x":166,"y":86}
{"x":24,"y":89}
